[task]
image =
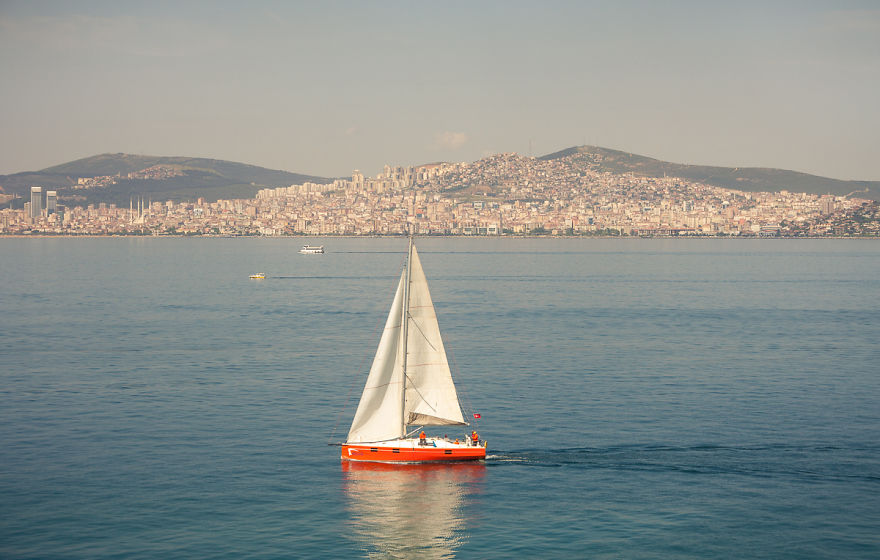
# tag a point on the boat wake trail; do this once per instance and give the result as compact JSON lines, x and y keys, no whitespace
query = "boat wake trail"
{"x":808,"y":462}
{"x":332,"y":277}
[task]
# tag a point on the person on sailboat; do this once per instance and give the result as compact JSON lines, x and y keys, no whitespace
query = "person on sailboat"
{"x":475,"y":438}
{"x":423,"y":438}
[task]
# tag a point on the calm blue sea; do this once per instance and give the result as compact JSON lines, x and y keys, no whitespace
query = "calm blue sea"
{"x":641,"y":399}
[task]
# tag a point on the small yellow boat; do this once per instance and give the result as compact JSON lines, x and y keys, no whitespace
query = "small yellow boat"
{"x":258,"y":276}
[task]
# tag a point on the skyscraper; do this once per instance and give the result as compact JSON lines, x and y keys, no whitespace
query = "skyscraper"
{"x":51,"y":202}
{"x":36,"y":202}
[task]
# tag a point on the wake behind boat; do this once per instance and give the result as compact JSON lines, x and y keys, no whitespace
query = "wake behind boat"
{"x":409,"y":385}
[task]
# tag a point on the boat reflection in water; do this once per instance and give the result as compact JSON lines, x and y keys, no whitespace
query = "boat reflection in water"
{"x":411,"y":510}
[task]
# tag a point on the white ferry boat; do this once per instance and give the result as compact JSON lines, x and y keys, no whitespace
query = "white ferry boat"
{"x":312,"y":250}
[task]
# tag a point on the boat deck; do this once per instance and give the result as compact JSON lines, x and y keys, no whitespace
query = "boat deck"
{"x":410,"y":450}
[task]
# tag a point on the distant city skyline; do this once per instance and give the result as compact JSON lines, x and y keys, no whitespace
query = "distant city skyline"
{"x":325,"y":88}
{"x":502,"y":195}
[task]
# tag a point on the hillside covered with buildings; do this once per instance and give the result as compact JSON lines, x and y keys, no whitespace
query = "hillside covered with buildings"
{"x":571,"y":194}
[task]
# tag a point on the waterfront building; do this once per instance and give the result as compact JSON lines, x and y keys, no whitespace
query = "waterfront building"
{"x":51,"y":202}
{"x":36,"y":202}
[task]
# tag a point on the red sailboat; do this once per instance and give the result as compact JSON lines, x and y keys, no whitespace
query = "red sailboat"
{"x":409,"y":385}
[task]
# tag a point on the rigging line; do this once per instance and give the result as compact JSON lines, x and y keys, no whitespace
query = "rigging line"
{"x":421,"y":332}
{"x":460,"y":387}
{"x":351,"y":387}
{"x":381,"y":386}
{"x":353,"y":383}
{"x":413,"y":383}
{"x":414,"y":431}
{"x":414,"y":386}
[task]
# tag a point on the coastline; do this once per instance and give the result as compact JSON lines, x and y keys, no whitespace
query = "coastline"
{"x":427,"y":236}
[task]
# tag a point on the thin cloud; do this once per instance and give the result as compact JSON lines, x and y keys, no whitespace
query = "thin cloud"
{"x":451,"y":140}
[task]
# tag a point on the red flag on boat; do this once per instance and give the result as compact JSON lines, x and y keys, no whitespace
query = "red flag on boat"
{"x":477,"y":415}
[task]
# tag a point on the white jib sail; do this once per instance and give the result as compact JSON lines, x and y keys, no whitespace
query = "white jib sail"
{"x":380,"y":412}
{"x":431,"y":398}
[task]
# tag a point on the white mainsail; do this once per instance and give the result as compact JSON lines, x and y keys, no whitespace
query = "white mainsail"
{"x":429,"y":397}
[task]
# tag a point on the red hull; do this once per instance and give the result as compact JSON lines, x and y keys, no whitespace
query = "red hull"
{"x":412,"y":454}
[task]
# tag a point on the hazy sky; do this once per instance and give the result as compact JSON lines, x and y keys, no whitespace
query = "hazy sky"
{"x":326,"y":87}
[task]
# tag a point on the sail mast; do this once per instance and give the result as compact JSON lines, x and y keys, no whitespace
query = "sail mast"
{"x":404,"y":333}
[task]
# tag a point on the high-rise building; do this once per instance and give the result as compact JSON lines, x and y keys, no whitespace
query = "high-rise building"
{"x":357,"y":179}
{"x":51,"y":202}
{"x":36,"y":202}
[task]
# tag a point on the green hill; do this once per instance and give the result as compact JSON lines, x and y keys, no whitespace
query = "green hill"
{"x":750,"y":179}
{"x":213,"y":179}
{"x":198,"y":177}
